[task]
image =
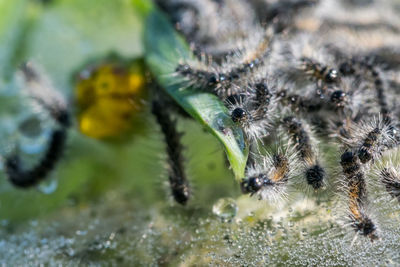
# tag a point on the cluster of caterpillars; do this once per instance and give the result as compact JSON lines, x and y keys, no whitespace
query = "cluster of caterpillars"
{"x":290,"y":70}
{"x":286,"y":70}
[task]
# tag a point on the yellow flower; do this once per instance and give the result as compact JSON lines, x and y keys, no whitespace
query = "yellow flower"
{"x":109,"y":97}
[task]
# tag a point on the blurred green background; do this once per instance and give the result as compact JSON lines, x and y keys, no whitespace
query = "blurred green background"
{"x":61,"y":36}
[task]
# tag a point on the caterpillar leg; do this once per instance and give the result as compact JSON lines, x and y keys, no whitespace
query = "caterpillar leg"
{"x":177,"y":177}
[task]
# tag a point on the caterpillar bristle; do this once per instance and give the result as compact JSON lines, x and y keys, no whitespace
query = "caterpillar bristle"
{"x":390,"y":178}
{"x":281,"y":13}
{"x":370,"y":139}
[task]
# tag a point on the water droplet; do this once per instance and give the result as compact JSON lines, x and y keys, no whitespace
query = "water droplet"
{"x":304,"y":232}
{"x":225,"y":208}
{"x":79,"y":232}
{"x":33,"y":146}
{"x":48,"y":186}
{"x":273,"y":232}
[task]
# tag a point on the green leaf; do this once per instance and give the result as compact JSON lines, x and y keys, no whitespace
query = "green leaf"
{"x":143,"y":7}
{"x":11,"y":20}
{"x":164,"y":49}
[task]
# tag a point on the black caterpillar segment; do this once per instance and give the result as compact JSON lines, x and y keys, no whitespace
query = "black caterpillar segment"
{"x":338,"y":97}
{"x":260,"y":99}
{"x":314,"y":173}
{"x":363,"y":68}
{"x":177,"y":176}
{"x":358,"y":27}
{"x":207,"y":77}
{"x":217,"y":82}
{"x":27,"y":178}
{"x":300,"y":137}
{"x":349,"y":164}
{"x":253,"y":110}
{"x":181,"y":11}
{"x":225,"y":78}
{"x":387,"y":58}
{"x":252,"y":185}
{"x":282,"y":168}
{"x":347,"y":68}
{"x":263,"y":94}
{"x":315,"y":176}
{"x":299,"y":103}
{"x":365,"y":226}
{"x":319,"y":72}
{"x":369,"y":140}
{"x":281,"y":13}
{"x":366,"y":151}
{"x":239,"y":115}
{"x":273,"y":174}
{"x":381,"y":95}
{"x":357,"y":195}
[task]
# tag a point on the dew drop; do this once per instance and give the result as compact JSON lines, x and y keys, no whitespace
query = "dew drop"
{"x":48,"y":186}
{"x":272,"y":232}
{"x":36,"y":145}
{"x":225,"y":208}
{"x":81,"y":232}
{"x":304,"y":232}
